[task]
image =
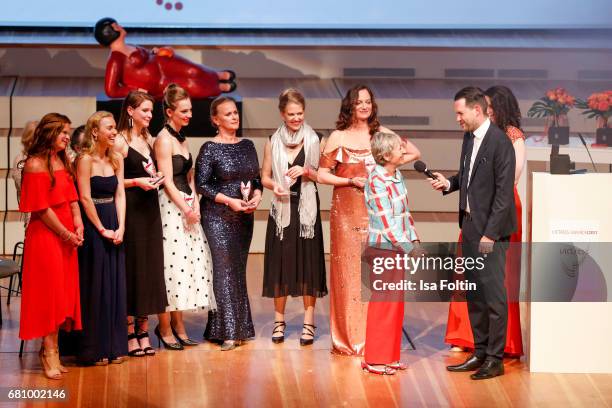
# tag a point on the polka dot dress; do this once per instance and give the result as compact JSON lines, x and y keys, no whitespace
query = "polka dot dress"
{"x":187,"y":260}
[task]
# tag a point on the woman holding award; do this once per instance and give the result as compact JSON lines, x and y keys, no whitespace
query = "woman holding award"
{"x":227,"y":177}
{"x":187,"y":261}
{"x":294,"y":263}
{"x":144,"y":259}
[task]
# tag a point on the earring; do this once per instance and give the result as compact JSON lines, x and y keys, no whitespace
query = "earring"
{"x":130,"y":122}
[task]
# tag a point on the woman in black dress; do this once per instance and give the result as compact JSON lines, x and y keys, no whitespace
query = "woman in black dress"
{"x":294,"y":263}
{"x":227,"y":177}
{"x":144,"y":252}
{"x":101,"y":258}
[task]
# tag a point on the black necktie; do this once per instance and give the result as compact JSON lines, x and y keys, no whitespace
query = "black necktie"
{"x":466,"y":172}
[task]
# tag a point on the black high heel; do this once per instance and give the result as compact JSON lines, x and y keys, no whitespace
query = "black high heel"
{"x":279,"y":327}
{"x":185,"y":342}
{"x":232,"y":76}
{"x":167,"y":346}
{"x":309,"y":332}
{"x":149,"y":351}
{"x":137,"y":352}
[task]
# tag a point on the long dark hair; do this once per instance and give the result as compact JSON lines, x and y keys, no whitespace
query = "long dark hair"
{"x":133,"y":99}
{"x":347,"y":110}
{"x":43,"y":142}
{"x":505,"y":106}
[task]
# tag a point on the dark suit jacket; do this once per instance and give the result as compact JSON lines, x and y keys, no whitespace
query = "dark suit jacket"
{"x":491,"y":189}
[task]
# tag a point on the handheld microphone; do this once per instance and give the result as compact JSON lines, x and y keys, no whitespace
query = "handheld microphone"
{"x":422,"y":168}
{"x":587,"y":149}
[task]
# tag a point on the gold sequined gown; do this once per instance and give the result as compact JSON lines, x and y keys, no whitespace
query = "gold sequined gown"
{"x":349,"y":229}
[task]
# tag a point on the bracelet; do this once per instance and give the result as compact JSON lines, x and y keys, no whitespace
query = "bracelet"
{"x":65,"y":235}
{"x":350,"y":180}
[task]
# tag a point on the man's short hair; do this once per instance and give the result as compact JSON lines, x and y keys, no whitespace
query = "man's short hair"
{"x":473,"y":96}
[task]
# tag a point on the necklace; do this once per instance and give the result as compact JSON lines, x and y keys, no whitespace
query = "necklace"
{"x":178,"y":135}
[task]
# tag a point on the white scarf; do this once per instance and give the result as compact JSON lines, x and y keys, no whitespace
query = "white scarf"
{"x":281,"y":207}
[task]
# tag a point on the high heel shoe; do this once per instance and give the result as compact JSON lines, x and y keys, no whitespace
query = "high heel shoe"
{"x":279,"y":327}
{"x":149,"y":351}
{"x":230,"y":345}
{"x":185,"y":342}
{"x":309,"y":332}
{"x":47,"y":361}
{"x":137,"y":352}
{"x":384,"y":370}
{"x":59,"y":362}
{"x":398,"y":365}
{"x":167,"y":346}
{"x":232,"y":76}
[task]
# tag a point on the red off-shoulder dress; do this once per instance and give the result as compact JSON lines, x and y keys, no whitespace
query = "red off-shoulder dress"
{"x":50,"y":283}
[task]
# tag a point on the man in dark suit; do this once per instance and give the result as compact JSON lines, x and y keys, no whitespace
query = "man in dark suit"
{"x":487,"y":218}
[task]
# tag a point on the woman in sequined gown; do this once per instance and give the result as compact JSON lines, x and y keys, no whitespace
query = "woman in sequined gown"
{"x":345,"y":163}
{"x":227,"y":217}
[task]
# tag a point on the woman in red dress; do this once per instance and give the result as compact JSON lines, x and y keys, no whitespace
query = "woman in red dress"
{"x":50,"y":297}
{"x":505,"y":113}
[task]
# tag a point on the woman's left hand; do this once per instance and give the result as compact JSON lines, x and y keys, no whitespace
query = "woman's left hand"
{"x":118,"y":239}
{"x":295,"y":172}
{"x":78,"y":230}
{"x":253,"y":203}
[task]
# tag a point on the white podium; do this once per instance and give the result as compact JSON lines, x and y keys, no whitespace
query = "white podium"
{"x":570,"y":337}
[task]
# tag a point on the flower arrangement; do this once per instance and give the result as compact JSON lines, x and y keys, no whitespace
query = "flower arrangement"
{"x":555,"y":104}
{"x":599,"y":106}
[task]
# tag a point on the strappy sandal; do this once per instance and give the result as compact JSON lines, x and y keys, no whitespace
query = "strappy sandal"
{"x":279,"y":327}
{"x":142,"y":334}
{"x":398,"y":366}
{"x":384,"y":370}
{"x":310,"y":331}
{"x":136,"y":352}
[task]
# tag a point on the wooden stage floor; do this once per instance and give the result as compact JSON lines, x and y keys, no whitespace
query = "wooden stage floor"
{"x":262,"y":374}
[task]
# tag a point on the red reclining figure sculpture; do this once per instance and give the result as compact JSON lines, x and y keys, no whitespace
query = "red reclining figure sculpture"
{"x":131,"y":67}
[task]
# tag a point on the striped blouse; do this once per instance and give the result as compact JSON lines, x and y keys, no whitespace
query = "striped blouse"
{"x":387,"y":202}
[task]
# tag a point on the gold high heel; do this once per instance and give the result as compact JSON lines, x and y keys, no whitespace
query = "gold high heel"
{"x":47,"y":362}
{"x":59,"y":362}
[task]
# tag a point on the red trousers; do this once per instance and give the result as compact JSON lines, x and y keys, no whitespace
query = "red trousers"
{"x":384,"y":332}
{"x":385,"y":315}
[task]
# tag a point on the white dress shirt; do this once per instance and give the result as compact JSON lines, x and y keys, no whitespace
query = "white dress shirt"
{"x":479,"y":135}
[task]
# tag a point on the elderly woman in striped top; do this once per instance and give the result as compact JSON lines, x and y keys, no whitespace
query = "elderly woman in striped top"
{"x":391,"y":228}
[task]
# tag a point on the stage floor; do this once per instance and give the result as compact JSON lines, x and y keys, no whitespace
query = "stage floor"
{"x":261,"y":373}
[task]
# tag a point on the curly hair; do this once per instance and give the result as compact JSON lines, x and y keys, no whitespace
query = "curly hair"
{"x":48,"y":129}
{"x":347,"y":110}
{"x":505,"y":106}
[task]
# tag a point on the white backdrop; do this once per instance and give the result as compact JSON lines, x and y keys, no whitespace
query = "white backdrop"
{"x":386,"y":14}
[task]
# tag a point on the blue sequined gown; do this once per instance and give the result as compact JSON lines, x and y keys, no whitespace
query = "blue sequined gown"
{"x":220,"y":168}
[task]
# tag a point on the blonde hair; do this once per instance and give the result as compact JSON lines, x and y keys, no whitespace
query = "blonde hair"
{"x":28,"y":134}
{"x":383,"y":144}
{"x":290,"y":95}
{"x":89,"y":144}
{"x":172,"y":94}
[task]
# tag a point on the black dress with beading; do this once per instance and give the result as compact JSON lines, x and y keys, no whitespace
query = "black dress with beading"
{"x":102,"y":282}
{"x":144,"y":251}
{"x":219,"y":169}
